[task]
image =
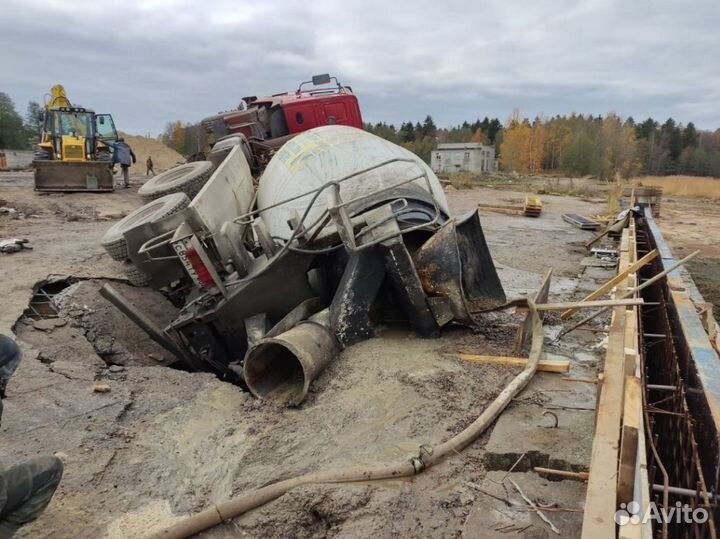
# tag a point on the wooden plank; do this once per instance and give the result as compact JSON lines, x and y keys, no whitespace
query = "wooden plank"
{"x":631,"y":349}
{"x":608,"y":286}
{"x":633,"y":292}
{"x":545,"y":365}
{"x":597,"y":239}
{"x":500,"y":209}
{"x":601,"y":495}
{"x":522,"y":343}
{"x":495,"y":206}
{"x":578,"y":476}
{"x":632,"y":409}
{"x":625,"y":302}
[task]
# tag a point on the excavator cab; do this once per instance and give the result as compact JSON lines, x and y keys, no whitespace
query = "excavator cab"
{"x":105,"y":128}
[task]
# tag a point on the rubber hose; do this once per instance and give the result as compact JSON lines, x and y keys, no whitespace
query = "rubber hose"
{"x":255,"y":498}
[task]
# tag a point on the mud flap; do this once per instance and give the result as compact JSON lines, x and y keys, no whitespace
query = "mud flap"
{"x":455,"y":264}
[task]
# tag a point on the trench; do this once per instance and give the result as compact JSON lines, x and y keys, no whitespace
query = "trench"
{"x":682,"y":437}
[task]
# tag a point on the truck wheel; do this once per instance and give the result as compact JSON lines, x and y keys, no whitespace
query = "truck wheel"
{"x":225,"y":145}
{"x":188,"y":178}
{"x":114,"y":240}
{"x":135,"y":276}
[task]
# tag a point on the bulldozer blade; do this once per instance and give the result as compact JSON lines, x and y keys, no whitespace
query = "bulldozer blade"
{"x":73,"y":176}
{"x":455,"y":264}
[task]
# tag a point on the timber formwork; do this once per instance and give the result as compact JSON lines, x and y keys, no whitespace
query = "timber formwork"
{"x":658,"y":415}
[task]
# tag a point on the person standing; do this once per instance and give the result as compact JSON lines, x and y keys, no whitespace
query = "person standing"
{"x":123,"y":154}
{"x":149,"y":166}
{"x":27,"y":488}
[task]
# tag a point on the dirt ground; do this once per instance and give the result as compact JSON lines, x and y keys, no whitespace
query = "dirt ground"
{"x":163,"y":157}
{"x":162,"y":442}
{"x":691,"y":224}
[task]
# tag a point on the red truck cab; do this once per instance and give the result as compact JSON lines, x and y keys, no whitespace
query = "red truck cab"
{"x":281,"y":116}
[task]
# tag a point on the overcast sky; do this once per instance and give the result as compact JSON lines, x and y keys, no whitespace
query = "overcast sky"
{"x":150,"y":62}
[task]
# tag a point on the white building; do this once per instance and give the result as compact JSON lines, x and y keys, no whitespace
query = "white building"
{"x":463,"y":156}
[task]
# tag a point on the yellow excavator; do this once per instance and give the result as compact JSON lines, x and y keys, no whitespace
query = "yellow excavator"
{"x":75,"y":148}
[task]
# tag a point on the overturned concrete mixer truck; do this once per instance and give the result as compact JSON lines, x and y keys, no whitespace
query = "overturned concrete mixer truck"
{"x":343,"y":231}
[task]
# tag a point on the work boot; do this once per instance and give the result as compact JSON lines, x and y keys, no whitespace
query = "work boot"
{"x":29,"y":487}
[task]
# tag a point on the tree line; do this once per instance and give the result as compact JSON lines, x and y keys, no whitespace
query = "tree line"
{"x":576,"y":145}
{"x":185,"y":138}
{"x":17,"y":132}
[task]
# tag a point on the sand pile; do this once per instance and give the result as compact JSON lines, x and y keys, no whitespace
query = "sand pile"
{"x":163,"y":156}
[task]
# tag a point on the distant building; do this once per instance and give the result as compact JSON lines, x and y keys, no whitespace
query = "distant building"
{"x":463,"y":156}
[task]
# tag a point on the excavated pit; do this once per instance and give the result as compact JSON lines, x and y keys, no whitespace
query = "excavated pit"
{"x":63,"y":309}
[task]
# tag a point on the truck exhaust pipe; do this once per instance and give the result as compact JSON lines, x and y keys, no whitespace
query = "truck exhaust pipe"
{"x":281,"y":368}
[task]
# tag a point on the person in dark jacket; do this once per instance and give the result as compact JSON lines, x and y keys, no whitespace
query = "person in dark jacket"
{"x":149,"y":166}
{"x":9,"y":360}
{"x":27,"y":488}
{"x":123,"y":154}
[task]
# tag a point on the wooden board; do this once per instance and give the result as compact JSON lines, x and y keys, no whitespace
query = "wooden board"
{"x":522,"y":343}
{"x":625,"y":302}
{"x":501,"y":209}
{"x":597,"y":238}
{"x":545,"y":365}
{"x":612,"y":283}
{"x":601,"y":496}
{"x":632,"y":408}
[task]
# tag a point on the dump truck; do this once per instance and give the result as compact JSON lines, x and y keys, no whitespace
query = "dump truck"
{"x":342,"y":232}
{"x":75,"y":148}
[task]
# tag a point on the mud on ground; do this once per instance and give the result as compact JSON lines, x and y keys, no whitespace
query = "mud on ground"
{"x":163,"y":442}
{"x":691,"y":224}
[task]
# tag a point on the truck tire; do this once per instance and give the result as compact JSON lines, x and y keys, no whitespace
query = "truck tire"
{"x":188,"y":178}
{"x":135,"y":276}
{"x":224,"y":146}
{"x":114,"y":240}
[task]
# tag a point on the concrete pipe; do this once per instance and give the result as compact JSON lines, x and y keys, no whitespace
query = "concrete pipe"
{"x":281,"y":368}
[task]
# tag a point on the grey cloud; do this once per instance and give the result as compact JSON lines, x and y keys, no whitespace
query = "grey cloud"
{"x":155,"y":61}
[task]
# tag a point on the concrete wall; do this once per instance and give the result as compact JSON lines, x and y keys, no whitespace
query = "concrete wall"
{"x":16,"y":159}
{"x":459,"y":159}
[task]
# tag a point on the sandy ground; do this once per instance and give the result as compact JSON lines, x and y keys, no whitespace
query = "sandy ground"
{"x":163,"y":442}
{"x":163,"y":157}
{"x":691,"y":224}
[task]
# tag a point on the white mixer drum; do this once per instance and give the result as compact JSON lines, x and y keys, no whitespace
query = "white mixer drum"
{"x":311,"y":159}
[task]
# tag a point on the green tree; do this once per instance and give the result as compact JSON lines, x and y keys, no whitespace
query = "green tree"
{"x":33,"y":121}
{"x":407,"y":132}
{"x":13,"y":134}
{"x":429,"y":129}
{"x":690,"y":136}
